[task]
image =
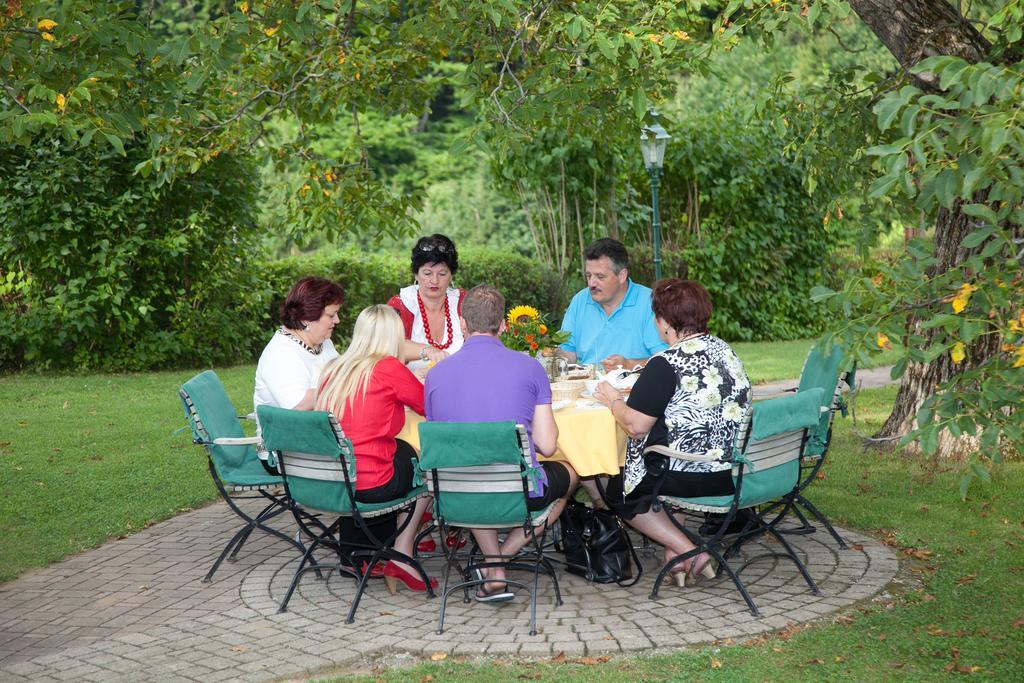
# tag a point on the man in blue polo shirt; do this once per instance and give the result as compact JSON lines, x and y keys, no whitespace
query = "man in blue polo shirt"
{"x":611,"y":321}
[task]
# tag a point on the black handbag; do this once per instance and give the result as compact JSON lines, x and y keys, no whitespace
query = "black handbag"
{"x":596,"y":545}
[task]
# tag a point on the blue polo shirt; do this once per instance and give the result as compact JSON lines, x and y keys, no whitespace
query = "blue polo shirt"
{"x":629,"y":331}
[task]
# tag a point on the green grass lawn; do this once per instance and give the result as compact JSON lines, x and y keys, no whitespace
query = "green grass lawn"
{"x":84,"y":459}
{"x":771,"y":361}
{"x":87,"y":458}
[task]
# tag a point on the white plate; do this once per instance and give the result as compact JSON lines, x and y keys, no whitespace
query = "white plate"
{"x":558,"y":405}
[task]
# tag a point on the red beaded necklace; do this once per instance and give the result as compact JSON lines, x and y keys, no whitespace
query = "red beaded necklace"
{"x":426,"y":323}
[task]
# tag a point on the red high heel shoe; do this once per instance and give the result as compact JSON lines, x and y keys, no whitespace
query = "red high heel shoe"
{"x":393,"y":574}
{"x":453,"y":536}
{"x":427,"y":545}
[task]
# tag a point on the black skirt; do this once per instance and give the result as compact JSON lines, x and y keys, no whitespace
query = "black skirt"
{"x":680,"y":484}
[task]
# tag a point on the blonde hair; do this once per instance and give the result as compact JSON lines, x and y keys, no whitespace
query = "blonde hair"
{"x":378,"y":333}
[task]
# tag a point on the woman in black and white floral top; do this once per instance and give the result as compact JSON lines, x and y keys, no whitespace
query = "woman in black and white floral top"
{"x":690,"y":397}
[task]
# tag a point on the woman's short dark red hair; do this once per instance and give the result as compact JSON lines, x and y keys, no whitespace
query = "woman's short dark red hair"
{"x":308,"y":299}
{"x":683,"y":304}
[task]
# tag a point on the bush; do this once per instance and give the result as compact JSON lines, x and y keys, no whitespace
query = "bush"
{"x":103,"y":269}
{"x":374,"y":278}
{"x":760,"y":246}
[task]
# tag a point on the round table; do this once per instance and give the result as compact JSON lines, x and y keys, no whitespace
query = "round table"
{"x":589,"y":439}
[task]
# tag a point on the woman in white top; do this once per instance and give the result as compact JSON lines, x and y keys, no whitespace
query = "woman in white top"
{"x":290,"y":365}
{"x":430,"y":308}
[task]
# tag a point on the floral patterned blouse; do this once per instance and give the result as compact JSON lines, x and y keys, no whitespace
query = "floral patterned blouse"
{"x":699,"y":392}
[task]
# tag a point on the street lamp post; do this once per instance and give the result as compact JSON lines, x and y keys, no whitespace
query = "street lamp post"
{"x":653,"y":140}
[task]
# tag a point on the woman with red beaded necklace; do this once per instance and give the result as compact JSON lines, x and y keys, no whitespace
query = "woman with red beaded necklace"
{"x":430,"y":308}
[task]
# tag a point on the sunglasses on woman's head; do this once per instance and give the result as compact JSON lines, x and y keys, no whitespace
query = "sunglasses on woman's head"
{"x":434,"y":246}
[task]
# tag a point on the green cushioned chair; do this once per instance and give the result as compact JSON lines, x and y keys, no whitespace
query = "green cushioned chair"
{"x":319,"y":470}
{"x":480,"y":474}
{"x":825,"y":372}
{"x":233,"y":461}
{"x":766,"y":469}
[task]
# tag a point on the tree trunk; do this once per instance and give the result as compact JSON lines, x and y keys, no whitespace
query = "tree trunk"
{"x":913,"y":30}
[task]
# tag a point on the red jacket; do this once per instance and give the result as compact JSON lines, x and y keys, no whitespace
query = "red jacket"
{"x":373,"y":421}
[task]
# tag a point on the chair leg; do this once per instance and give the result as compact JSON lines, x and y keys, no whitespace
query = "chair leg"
{"x":796,"y":560}
{"x":295,"y":577}
{"x":231,"y":544}
{"x":261,"y":517}
{"x":738,"y":583}
{"x":810,"y":507}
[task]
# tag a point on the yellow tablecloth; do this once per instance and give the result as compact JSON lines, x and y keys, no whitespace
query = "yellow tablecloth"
{"x":589,"y":439}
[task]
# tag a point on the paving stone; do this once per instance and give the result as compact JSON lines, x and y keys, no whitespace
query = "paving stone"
{"x":135,"y":608}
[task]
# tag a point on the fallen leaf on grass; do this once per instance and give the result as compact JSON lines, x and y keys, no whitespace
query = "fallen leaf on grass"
{"x":898,"y":665}
{"x":559,"y":658}
{"x":918,"y":553}
{"x":819,"y":475}
{"x":715,"y":664}
{"x":923,"y":508}
{"x":927,"y":597}
{"x":1019,"y":622}
{"x":590,"y":661}
{"x":815,"y":661}
{"x":427,"y":678}
{"x":840,"y":659}
{"x":438,"y":656}
{"x":964,"y":580}
{"x":936,"y":630}
{"x":842,"y":619}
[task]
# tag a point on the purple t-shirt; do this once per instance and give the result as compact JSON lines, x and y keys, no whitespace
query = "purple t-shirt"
{"x":485,"y":382}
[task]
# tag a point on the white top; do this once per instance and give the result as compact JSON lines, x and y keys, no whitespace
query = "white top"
{"x":408,"y":295}
{"x":286,"y":371}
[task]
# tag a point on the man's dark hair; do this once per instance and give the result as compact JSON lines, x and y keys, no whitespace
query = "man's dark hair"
{"x":613,"y":249}
{"x":483,"y":309}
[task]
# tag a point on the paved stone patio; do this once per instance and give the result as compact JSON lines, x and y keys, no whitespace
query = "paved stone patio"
{"x":135,"y":609}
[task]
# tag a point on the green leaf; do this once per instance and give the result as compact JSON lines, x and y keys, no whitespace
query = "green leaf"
{"x":980,"y":211}
{"x":965,"y":484}
{"x":978,"y":236}
{"x":886,"y":111}
{"x":820,"y":293}
{"x":898,"y":368}
{"x":639,"y":104}
{"x":115,"y":142}
{"x":980,"y":472}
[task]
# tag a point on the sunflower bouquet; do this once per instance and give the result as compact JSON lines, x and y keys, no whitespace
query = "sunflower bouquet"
{"x":527,"y":330}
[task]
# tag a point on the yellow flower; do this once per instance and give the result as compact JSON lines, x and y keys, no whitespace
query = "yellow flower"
{"x":61,"y":101}
{"x":341,"y":58}
{"x":244,"y":8}
{"x":46,"y":36}
{"x":1019,"y":363}
{"x":958,"y":352}
{"x":543,"y":329}
{"x":883,"y":341}
{"x":654,"y":38}
{"x":46,"y":25}
{"x":681,"y":35}
{"x":517,"y":313}
{"x":270,"y":31}
{"x":629,"y":34}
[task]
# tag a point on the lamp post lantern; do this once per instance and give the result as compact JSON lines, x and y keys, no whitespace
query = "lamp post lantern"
{"x":653,"y":140}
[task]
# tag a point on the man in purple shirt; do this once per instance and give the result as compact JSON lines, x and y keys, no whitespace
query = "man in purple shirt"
{"x":485,"y":382}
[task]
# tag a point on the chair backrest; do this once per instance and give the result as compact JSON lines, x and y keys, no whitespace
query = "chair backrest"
{"x":211,"y":415}
{"x":823,"y":371}
{"x":314,"y":454}
{"x":774,"y":445}
{"x":479,"y":472}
